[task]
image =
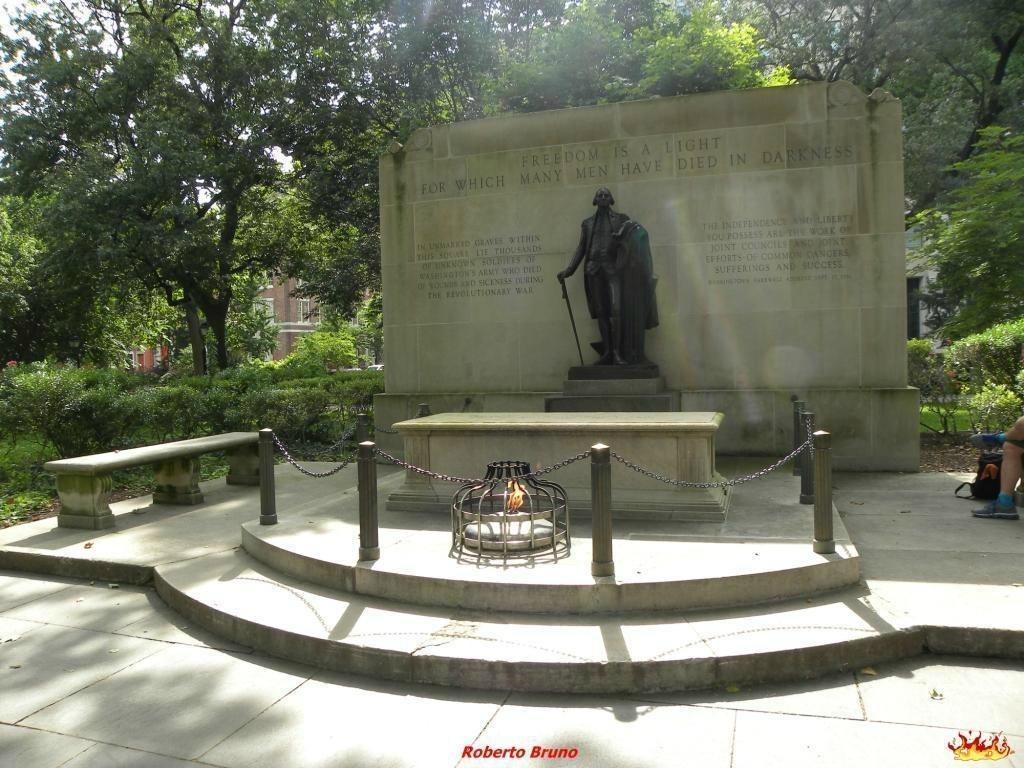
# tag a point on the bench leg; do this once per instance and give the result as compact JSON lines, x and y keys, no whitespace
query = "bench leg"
{"x":244,"y":465}
{"x":177,"y":482}
{"x":84,"y":501}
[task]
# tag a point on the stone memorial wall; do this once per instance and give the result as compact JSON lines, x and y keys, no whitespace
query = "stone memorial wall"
{"x":776,"y":226}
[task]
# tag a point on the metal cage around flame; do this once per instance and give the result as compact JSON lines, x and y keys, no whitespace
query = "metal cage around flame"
{"x":510,"y":514}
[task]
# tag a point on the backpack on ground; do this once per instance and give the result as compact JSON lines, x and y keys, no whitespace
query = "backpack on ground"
{"x":986,"y":481}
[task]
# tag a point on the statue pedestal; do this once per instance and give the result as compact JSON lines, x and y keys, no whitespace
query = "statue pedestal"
{"x":613,"y":388}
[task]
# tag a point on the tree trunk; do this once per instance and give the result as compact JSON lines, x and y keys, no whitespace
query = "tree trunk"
{"x":195,"y":337}
{"x":216,"y":313}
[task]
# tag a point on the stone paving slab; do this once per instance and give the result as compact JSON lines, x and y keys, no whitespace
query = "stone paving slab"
{"x":110,"y":756}
{"x":764,"y":740}
{"x":51,"y":662}
{"x":828,"y":696}
{"x":609,"y":733}
{"x":16,"y":589}
{"x":29,"y":748}
{"x":164,"y":702}
{"x":843,"y":720}
{"x":88,"y":606}
{"x":169,"y":626}
{"x":337,"y":720}
{"x":986,"y":695}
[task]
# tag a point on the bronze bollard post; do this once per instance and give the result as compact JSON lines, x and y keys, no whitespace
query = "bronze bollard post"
{"x":422,"y":410}
{"x":369,"y":546}
{"x":601,"y":563}
{"x":823,"y":542}
{"x":798,"y":430}
{"x":807,"y":463}
{"x":362,"y":428}
{"x":268,"y":499}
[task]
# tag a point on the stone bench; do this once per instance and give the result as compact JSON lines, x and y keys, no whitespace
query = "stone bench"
{"x":84,"y":483}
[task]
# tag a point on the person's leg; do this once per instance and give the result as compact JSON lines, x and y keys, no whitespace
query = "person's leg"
{"x":1009,"y":474}
{"x":1013,"y":449}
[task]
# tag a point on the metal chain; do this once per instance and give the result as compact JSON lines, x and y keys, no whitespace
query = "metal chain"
{"x":805,"y":445}
{"x":302,"y":469}
{"x":720,"y":483}
{"x":469,"y":480}
{"x":341,"y":441}
{"x":559,"y":465}
{"x":385,"y":430}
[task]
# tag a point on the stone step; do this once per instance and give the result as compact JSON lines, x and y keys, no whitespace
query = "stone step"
{"x":662,"y":402}
{"x":249,"y":603}
{"x":678,"y":573}
{"x":602,"y":387}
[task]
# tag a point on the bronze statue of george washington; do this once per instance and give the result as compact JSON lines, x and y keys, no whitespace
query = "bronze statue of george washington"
{"x":618,"y":275}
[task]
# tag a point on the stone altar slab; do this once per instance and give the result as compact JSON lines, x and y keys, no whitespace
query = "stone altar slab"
{"x":776,"y":227}
{"x":674,"y":445}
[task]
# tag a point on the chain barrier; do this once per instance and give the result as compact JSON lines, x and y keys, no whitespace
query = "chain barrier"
{"x":804,"y":446}
{"x":478,"y":480}
{"x":345,"y":437}
{"x":385,"y":430}
{"x":308,"y":472}
{"x":721,"y":483}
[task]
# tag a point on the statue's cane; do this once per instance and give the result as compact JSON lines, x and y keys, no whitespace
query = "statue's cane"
{"x":565,"y":295}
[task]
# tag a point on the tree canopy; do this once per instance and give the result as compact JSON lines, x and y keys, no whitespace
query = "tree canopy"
{"x":155,"y":136}
{"x":187,"y":149}
{"x":977,"y":241}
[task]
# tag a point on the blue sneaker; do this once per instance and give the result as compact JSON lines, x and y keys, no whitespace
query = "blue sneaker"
{"x":997,"y":511}
{"x":984,"y":440}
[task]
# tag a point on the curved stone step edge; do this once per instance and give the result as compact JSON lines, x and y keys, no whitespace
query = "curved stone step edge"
{"x":544,"y":677}
{"x":685,"y":595}
{"x":47,"y":564}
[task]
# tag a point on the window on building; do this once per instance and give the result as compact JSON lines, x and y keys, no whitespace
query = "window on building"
{"x":304,"y":309}
{"x":913,"y":307}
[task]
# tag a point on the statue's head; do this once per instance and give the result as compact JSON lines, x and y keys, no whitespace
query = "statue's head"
{"x":603,"y":198}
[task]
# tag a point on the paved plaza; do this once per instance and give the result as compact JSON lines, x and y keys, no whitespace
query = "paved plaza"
{"x":100,"y":672}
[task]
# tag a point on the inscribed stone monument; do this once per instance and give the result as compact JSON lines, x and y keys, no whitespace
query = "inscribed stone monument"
{"x":775,"y":219}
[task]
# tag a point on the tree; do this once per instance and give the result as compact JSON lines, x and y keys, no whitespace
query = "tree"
{"x":252,"y":331}
{"x":604,"y":51}
{"x":65,"y":311}
{"x":956,"y":66}
{"x":18,"y":252}
{"x":977,"y":240}
{"x":160,"y":131}
{"x":369,"y":337}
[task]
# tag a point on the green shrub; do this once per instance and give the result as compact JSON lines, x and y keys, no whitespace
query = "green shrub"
{"x":992,"y":356}
{"x":992,"y":407}
{"x":920,"y":363}
{"x":927,"y":371}
{"x":320,"y":352}
{"x":293,"y":414}
{"x":173,"y":411}
{"x":77,"y":411}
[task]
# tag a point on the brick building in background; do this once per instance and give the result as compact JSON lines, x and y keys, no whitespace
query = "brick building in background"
{"x":294,"y":316}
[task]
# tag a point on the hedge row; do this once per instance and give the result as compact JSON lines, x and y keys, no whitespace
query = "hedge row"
{"x":982,"y":373}
{"x":80,"y":411}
